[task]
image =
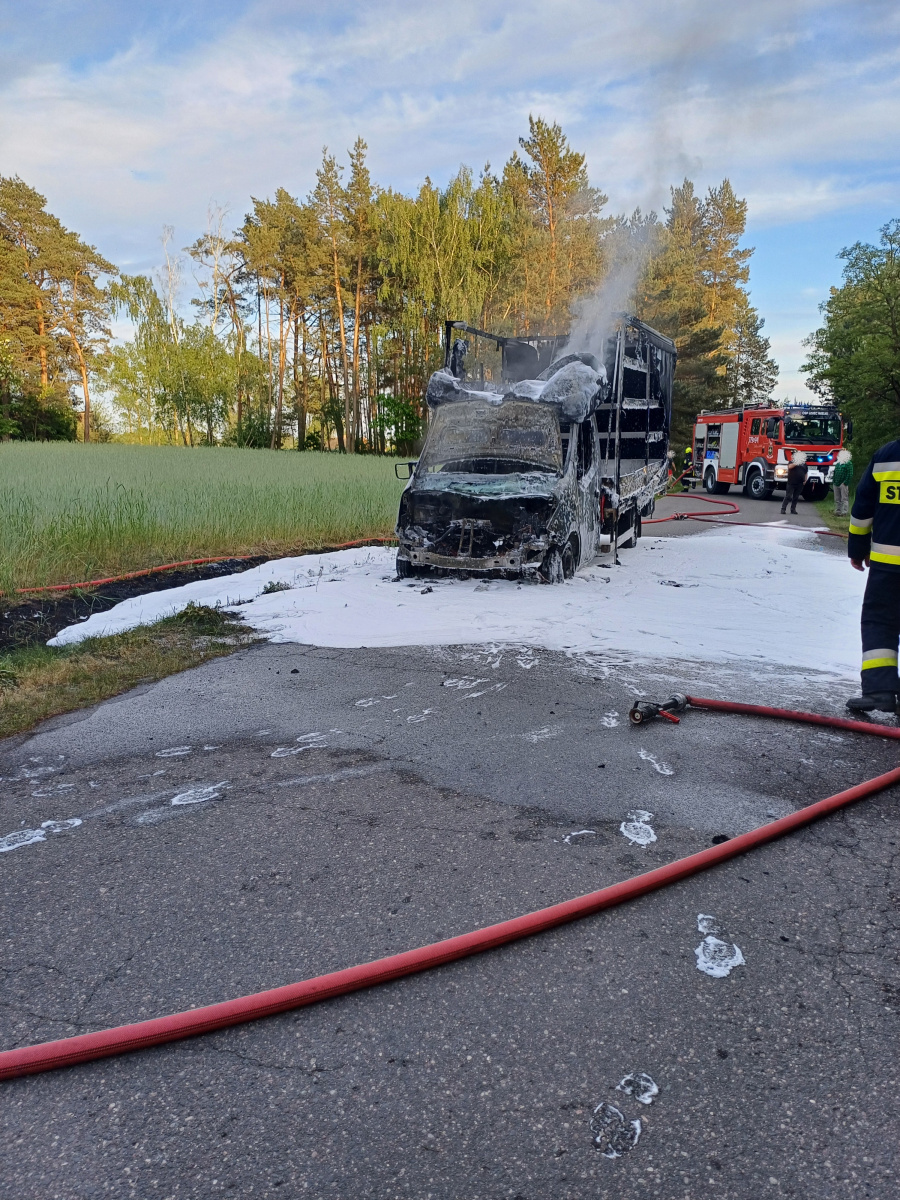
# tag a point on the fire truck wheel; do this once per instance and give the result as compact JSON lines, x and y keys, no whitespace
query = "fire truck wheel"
{"x":756,"y":485}
{"x":709,"y":482}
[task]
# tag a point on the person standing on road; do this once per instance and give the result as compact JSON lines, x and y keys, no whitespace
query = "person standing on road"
{"x":843,"y":477}
{"x":687,"y":475}
{"x":874,"y":542}
{"x":797,"y":473}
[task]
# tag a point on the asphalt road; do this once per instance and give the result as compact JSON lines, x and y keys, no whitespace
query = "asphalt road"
{"x":290,"y":810}
{"x":755,"y":512}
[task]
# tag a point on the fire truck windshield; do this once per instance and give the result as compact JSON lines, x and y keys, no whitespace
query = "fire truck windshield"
{"x":819,"y":431}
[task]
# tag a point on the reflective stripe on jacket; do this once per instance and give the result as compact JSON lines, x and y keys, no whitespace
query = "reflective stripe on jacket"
{"x":875,"y":516}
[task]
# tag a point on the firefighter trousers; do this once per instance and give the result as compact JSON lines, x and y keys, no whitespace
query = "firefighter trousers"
{"x":880,"y":624}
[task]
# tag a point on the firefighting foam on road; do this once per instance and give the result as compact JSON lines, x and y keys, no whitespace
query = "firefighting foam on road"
{"x":724,"y":594}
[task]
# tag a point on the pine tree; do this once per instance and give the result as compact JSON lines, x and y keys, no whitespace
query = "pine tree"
{"x":54,"y":310}
{"x":751,"y":374}
{"x":558,"y":251}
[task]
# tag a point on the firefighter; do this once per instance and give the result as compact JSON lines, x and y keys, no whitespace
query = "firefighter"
{"x":796,"y":478}
{"x":687,"y":475}
{"x":874,"y":542}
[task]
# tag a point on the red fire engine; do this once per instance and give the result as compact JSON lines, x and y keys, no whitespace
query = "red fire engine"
{"x":753,"y":447}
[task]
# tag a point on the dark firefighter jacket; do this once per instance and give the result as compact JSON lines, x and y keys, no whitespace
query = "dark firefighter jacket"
{"x":875,"y":516}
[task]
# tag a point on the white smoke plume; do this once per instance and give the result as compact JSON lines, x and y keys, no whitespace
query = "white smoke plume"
{"x":594,"y":316}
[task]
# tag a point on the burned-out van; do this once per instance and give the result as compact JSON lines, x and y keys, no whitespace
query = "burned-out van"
{"x":537,"y":461}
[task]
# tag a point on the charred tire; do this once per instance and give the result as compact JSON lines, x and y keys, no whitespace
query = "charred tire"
{"x":406,"y":570}
{"x":552,"y":566}
{"x":569,"y":560}
{"x":629,"y":530}
{"x":756,"y":486}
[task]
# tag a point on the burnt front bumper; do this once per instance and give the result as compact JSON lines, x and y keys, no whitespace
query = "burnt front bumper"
{"x":474,"y":547}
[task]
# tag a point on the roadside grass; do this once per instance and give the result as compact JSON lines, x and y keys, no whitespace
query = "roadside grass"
{"x":825,"y":509}
{"x":70,"y":512}
{"x":37,"y":682}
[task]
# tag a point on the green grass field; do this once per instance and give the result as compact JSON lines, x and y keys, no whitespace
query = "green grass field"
{"x":73,"y":512}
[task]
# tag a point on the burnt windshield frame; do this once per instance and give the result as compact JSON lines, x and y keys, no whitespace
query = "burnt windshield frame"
{"x":796,"y":430}
{"x":471,"y":437}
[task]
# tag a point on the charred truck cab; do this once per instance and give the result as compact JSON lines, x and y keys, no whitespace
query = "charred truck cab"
{"x":537,"y":461}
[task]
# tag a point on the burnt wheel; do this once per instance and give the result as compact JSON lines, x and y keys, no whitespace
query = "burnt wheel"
{"x":405,"y":569}
{"x":552,"y":568}
{"x":569,"y":561}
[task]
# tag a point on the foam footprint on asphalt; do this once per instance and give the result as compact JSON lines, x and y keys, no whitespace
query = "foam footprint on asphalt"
{"x":661,"y":767}
{"x":636,"y":828}
{"x":639,"y":1085}
{"x":613,"y":1135}
{"x":716,"y":957}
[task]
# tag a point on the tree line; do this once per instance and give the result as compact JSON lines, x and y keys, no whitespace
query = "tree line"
{"x":854,"y":356}
{"x":317,"y":322}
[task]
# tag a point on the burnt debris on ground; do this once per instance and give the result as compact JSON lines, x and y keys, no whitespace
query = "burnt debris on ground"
{"x":33,"y":621}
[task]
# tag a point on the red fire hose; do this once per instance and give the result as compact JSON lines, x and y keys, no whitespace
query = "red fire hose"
{"x":47,"y":1056}
{"x":713,"y":519}
{"x":188,"y":562}
{"x":729,"y":507}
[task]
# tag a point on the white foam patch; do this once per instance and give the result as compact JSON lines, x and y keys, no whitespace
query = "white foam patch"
{"x":613,"y":1135}
{"x":742,"y":576}
{"x":661,"y":767}
{"x":578,"y":833}
{"x":174,"y":752}
{"x":637,"y":829}
{"x":640,"y":1085}
{"x":716,"y":957}
{"x":609,"y":720}
{"x":198,"y":795}
{"x":307,"y":741}
{"x":543,"y":735}
{"x":29,"y":837}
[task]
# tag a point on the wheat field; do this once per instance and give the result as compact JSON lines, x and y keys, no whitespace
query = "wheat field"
{"x":70,"y":512}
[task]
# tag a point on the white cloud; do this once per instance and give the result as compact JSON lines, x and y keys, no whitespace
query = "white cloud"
{"x":797,"y":101}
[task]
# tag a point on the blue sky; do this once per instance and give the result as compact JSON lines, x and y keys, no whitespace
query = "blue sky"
{"x":129,"y":116}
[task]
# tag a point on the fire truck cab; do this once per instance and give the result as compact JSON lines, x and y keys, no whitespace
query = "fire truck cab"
{"x":753,"y":447}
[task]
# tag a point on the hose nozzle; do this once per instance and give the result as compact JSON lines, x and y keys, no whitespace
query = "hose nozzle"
{"x":648,"y":710}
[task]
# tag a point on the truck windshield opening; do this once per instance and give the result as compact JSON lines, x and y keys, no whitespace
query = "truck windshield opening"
{"x":819,"y":431}
{"x":493,"y":439}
